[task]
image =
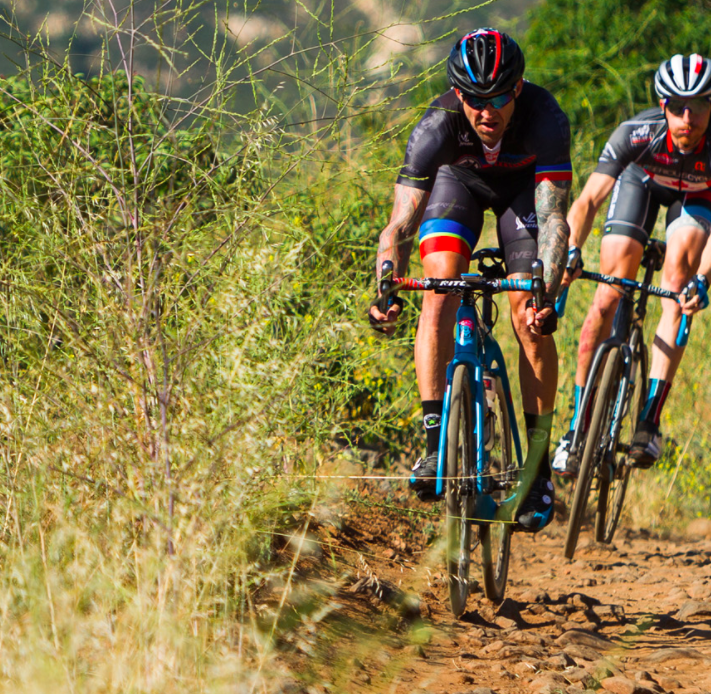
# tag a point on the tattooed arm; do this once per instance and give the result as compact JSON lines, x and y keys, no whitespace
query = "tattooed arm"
{"x":397,"y":237}
{"x":396,"y":243}
{"x":553,"y":231}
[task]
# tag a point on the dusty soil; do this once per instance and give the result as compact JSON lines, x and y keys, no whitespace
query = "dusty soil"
{"x":630,"y":618}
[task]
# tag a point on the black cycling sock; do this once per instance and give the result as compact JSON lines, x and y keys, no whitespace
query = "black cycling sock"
{"x":432,"y":416}
{"x":544,"y":422}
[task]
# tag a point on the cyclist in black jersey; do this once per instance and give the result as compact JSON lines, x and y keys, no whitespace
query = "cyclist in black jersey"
{"x":661,"y":157}
{"x":497,"y":142}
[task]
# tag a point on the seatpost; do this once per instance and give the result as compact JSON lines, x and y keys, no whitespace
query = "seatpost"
{"x":653,"y":256}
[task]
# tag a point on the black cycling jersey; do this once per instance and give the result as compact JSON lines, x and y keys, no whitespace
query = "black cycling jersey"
{"x":537,"y":140}
{"x":446,"y":157}
{"x":645,"y":140}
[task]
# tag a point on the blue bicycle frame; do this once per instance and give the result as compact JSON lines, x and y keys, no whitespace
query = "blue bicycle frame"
{"x":478,"y":350}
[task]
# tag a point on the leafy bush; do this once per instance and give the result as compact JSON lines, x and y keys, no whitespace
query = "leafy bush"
{"x":599,"y":57}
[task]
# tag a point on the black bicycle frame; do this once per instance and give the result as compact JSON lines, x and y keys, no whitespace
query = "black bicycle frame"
{"x":627,"y":332}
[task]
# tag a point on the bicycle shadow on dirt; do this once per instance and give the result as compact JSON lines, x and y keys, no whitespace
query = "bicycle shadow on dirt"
{"x":692,"y":622}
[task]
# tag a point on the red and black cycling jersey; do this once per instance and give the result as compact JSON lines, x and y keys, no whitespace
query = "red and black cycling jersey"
{"x":537,"y":140}
{"x":645,"y":140}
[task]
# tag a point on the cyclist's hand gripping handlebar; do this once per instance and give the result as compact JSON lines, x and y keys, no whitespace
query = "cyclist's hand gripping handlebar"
{"x":697,"y":286}
{"x":387,"y":299}
{"x":538,"y":302}
{"x":537,"y":286}
{"x":575,"y":262}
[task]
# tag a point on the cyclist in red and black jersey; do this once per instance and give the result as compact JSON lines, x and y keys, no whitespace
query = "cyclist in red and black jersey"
{"x":661,"y":157}
{"x":492,"y":142}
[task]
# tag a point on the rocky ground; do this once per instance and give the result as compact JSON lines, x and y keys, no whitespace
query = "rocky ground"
{"x":633,"y":617}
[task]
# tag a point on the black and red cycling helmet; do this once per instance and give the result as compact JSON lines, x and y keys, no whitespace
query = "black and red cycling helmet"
{"x":683,"y":78}
{"x":485,"y":62}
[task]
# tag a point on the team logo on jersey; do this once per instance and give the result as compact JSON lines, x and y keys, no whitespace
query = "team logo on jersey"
{"x":664,"y":158}
{"x":464,"y":140}
{"x":528,"y":222}
{"x":641,"y":135}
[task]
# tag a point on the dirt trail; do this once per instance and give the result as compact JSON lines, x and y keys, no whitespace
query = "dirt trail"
{"x":630,"y":618}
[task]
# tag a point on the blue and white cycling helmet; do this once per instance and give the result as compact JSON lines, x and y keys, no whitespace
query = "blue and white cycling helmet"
{"x":683,"y":78}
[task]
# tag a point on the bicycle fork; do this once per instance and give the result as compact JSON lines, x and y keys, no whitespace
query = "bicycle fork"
{"x":608,"y":464}
{"x":467,"y":352}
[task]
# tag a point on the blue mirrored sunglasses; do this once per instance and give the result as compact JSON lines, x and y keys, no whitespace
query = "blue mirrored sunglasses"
{"x":479,"y":104}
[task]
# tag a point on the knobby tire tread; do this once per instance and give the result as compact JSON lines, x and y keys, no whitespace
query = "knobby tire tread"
{"x":496,"y":538}
{"x":460,"y":463}
{"x":600,"y":414}
{"x":609,"y":511}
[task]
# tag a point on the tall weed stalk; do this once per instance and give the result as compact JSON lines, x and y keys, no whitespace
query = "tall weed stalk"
{"x":183,"y":339}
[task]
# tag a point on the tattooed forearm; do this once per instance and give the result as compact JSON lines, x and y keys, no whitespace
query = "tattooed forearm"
{"x":396,"y":239}
{"x":553,"y":231}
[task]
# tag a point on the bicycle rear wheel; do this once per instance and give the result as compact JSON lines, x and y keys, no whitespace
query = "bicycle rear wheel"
{"x":496,"y":537}
{"x":612,"y":491}
{"x":459,"y":495}
{"x":596,"y":443}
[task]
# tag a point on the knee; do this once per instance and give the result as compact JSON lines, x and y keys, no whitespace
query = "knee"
{"x":438,"y":309}
{"x":676,"y":277}
{"x":518,"y":317}
{"x":605,"y":301}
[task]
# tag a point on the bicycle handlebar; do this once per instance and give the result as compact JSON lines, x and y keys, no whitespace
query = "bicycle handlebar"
{"x":574,"y":262}
{"x":629,"y":284}
{"x":468,"y":281}
{"x":537,"y":286}
{"x":390,"y":285}
{"x":386,"y":289}
{"x":682,"y":335}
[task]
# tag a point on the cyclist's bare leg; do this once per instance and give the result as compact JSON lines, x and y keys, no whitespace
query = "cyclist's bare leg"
{"x":619,"y":256}
{"x":538,"y":358}
{"x":684,"y":248}
{"x":434,"y":342}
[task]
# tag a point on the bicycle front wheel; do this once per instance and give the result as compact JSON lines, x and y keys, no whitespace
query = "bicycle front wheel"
{"x":460,"y":494}
{"x":613,"y":490}
{"x":496,"y":537}
{"x":606,"y":380}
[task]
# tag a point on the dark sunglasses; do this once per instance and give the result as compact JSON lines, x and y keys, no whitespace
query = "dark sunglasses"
{"x":698,"y":105}
{"x":498,"y":101}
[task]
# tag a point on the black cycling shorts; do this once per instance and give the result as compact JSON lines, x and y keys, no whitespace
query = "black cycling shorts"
{"x":454,"y":216}
{"x":635,"y":203}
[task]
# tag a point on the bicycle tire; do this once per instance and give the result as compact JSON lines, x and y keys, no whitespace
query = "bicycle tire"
{"x":495,"y":538}
{"x":459,"y":498}
{"x":612,"y":492}
{"x":605,"y":380}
